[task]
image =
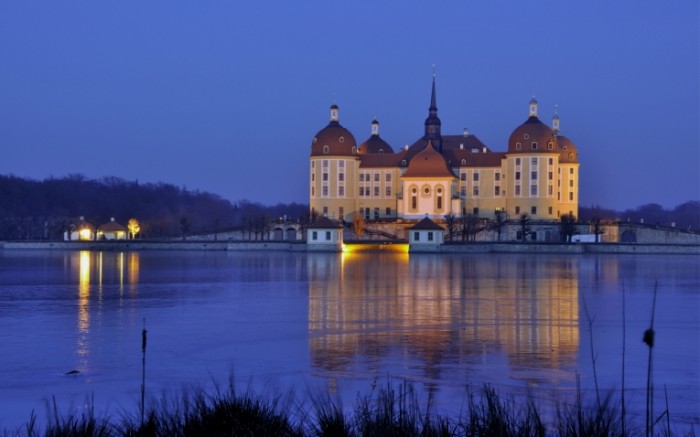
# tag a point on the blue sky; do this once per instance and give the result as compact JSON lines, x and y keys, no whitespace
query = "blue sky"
{"x":225,"y":96}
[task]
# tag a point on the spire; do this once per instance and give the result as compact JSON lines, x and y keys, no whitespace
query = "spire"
{"x":533,"y":107}
{"x":334,"y":112}
{"x":555,"y":120}
{"x":375,"y":127}
{"x":432,"y":123}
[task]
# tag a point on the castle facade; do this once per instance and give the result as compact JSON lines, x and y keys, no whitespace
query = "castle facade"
{"x":439,"y":175}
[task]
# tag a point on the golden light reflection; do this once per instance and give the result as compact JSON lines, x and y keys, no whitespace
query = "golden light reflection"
{"x":442,"y":309}
{"x":83,"y":307}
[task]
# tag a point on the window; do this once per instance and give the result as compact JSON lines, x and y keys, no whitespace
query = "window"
{"x":476,"y":177}
{"x":376,"y":191}
{"x":325,"y":191}
{"x":403,"y":162}
{"x":362,"y":211}
{"x":550,"y":190}
{"x":328,"y":235}
{"x":571,"y":196}
{"x":414,"y":202}
{"x":426,"y":190}
{"x":551,"y":161}
{"x":497,"y":191}
{"x":517,"y":162}
{"x":517,"y":190}
{"x":551,"y":175}
{"x":439,"y":202}
{"x":463,"y":176}
{"x":388,"y":191}
{"x":463,"y":190}
{"x":325,"y":211}
{"x":571,"y":171}
{"x":362,"y":177}
{"x":416,"y":236}
{"x":550,"y":146}
{"x":341,"y":177}
{"x":388,"y":177}
{"x":533,"y":162}
{"x":526,"y":136}
{"x":313,"y":177}
{"x":376,"y":177}
{"x":497,"y":176}
{"x":341,"y":140}
{"x":518,"y":146}
{"x":533,"y":210}
{"x":571,"y":157}
{"x":341,"y":213}
{"x":314,"y":235}
{"x":550,"y":210}
{"x":430,"y":236}
{"x":533,"y":175}
{"x":475,"y":190}
{"x":517,"y":175}
{"x":476,"y":211}
{"x":325,"y":176}
{"x":366,"y":213}
{"x":517,"y":210}
{"x":341,"y":164}
{"x":313,"y":191}
{"x":533,"y":190}
{"x":313,"y":164}
{"x":325,"y":163}
{"x":388,"y":212}
{"x":534,"y":146}
{"x":376,"y":213}
{"x":464,"y":162}
{"x":341,"y":191}
{"x":381,"y":151}
{"x":571,"y":183}
{"x":325,"y":150}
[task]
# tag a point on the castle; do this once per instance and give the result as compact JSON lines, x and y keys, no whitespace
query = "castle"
{"x":441,"y":175}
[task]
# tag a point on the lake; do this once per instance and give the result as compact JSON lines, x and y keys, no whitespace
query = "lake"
{"x":344,"y":323}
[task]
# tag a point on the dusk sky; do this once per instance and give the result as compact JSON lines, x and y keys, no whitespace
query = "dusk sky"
{"x":226,"y":96}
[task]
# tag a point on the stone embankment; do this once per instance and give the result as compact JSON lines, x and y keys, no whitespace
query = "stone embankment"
{"x":286,"y":246}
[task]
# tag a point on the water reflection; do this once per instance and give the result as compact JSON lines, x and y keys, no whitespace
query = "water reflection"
{"x":435,"y":313}
{"x":95,"y":271}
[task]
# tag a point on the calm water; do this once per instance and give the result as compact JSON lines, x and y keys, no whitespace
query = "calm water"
{"x":342,"y":323}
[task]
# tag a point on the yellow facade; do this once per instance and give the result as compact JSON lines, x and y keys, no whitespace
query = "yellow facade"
{"x":441,"y":175}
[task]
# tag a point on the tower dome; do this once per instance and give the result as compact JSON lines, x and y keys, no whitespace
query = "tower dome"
{"x":375,"y":144}
{"x":334,"y":139}
{"x":533,"y":135}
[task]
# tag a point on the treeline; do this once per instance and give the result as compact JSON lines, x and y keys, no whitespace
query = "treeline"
{"x":44,"y":209}
{"x":684,"y":216}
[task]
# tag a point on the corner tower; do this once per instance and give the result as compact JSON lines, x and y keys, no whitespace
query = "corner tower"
{"x":432,"y":123}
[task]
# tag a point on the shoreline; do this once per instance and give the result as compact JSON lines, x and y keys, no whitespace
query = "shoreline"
{"x":364,"y":246}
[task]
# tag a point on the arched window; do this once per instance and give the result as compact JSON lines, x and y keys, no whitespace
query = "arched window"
{"x":464,"y":162}
{"x":325,"y":150}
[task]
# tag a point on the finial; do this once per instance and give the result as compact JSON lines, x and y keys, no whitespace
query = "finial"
{"x":434,"y":73}
{"x":556,"y":109}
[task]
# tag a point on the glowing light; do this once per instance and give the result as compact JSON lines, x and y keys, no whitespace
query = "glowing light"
{"x":376,"y":247}
{"x":85,"y":234}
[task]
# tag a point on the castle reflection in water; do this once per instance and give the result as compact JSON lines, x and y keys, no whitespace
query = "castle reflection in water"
{"x":437,"y":311}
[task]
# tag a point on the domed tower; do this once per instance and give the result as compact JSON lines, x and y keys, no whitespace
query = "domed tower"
{"x":532,"y":169}
{"x":333,"y":165}
{"x":374,"y":144}
{"x":432,"y":123}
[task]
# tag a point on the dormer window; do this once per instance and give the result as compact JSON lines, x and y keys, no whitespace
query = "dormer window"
{"x":464,"y":162}
{"x":550,"y":146}
{"x":325,"y":150}
{"x":403,"y":162}
{"x":518,"y":146}
{"x":381,"y":151}
{"x":341,"y":140}
{"x":526,"y":136}
{"x":534,"y":145}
